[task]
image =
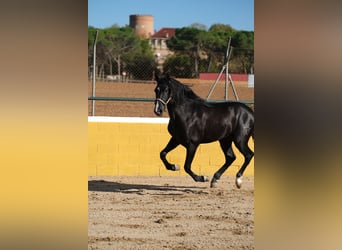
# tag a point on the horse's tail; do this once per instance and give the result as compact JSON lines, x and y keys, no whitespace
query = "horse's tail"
{"x":250,"y":112}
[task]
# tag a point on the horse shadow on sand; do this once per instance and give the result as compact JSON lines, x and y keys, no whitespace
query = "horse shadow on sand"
{"x":112,"y":186}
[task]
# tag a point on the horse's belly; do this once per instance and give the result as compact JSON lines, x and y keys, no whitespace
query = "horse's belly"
{"x":212,"y":139}
{"x":213,"y":133}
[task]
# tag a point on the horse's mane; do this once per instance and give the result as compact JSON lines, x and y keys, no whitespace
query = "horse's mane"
{"x":181,"y":91}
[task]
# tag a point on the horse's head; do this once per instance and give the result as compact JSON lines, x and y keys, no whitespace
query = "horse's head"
{"x":163,"y":94}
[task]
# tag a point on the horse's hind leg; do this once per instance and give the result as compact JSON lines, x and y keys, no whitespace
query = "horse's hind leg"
{"x":242,"y":145}
{"x":170,"y":146}
{"x":226,"y":146}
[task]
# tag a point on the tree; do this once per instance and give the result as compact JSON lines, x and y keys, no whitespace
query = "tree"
{"x":119,"y":41}
{"x":225,"y":29}
{"x":141,"y":66}
{"x":91,"y":37}
{"x":208,"y":49}
{"x":195,"y":50}
{"x":215,"y":45}
{"x":118,"y":48}
{"x":179,"y":66}
{"x":199,"y":26}
{"x":187,"y":41}
{"x":100,"y":50}
{"x":243,"y":59}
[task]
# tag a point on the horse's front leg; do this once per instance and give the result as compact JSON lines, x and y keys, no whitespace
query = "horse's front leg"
{"x":170,"y":146}
{"x":190,"y":153}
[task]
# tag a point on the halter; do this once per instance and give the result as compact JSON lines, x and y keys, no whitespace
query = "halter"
{"x":164,"y":102}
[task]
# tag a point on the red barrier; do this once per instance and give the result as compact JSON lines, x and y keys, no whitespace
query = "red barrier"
{"x":213,"y":76}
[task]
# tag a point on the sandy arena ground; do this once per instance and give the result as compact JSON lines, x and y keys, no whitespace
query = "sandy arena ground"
{"x":169,"y":213}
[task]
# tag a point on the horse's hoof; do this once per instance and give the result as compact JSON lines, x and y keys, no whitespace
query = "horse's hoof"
{"x":205,"y":178}
{"x":213,"y":184}
{"x":175,"y":167}
{"x":238,"y":182}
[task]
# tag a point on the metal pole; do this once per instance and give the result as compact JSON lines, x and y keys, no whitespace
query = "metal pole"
{"x":94,"y":75}
{"x":230,"y":79}
{"x":214,"y":85}
{"x":224,"y":67}
{"x":233,"y":87}
{"x":131,"y":99}
{"x":226,"y":79}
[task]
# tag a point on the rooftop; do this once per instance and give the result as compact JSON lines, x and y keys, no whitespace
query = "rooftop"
{"x":164,"y":33}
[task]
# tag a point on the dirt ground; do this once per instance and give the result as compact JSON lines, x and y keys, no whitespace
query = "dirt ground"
{"x":146,"y":90}
{"x":169,"y":213}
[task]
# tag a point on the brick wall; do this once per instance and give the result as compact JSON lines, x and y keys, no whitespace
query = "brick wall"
{"x":131,"y":146}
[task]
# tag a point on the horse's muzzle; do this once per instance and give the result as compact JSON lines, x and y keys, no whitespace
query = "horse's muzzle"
{"x":158,"y":108}
{"x":158,"y":113}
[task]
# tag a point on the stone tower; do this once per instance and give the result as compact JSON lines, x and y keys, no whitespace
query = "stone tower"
{"x":142,"y":24}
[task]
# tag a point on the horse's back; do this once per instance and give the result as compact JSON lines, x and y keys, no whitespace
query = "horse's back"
{"x":224,"y":119}
{"x":235,"y":117}
{"x":233,"y":110}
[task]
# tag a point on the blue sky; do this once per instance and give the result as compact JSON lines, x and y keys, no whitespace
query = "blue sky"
{"x":173,"y":13}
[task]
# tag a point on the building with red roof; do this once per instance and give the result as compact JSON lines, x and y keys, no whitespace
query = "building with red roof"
{"x":158,"y":44}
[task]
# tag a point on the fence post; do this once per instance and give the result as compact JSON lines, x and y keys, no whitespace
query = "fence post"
{"x":94,"y":76}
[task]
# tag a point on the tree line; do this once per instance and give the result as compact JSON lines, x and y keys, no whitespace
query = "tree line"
{"x":196,"y":49}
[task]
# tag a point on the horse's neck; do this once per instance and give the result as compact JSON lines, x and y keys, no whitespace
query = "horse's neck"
{"x":178,"y":108}
{"x":172,"y":111}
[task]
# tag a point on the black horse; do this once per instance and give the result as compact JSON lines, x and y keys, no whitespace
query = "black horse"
{"x":194,"y":121}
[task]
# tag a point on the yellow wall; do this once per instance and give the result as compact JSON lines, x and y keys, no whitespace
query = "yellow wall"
{"x":124,"y":147}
